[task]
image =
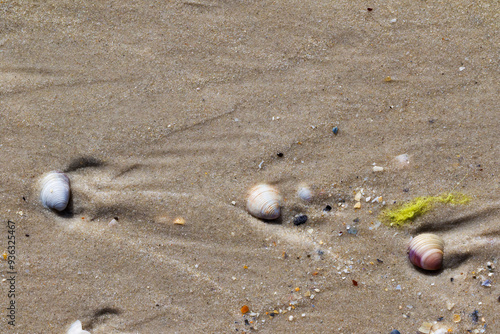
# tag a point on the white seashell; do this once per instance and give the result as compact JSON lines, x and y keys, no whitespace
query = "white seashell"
{"x":426,"y":251}
{"x":304,"y":193}
{"x":55,"y":191}
{"x":264,"y":201}
{"x":76,"y":328}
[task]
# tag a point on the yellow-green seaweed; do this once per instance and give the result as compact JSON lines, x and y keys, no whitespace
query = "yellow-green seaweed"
{"x":407,"y":212}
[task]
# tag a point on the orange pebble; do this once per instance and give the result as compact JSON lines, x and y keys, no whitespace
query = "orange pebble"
{"x":244,"y":309}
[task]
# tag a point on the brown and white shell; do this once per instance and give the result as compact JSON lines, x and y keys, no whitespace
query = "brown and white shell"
{"x":426,"y":251}
{"x":264,"y":202}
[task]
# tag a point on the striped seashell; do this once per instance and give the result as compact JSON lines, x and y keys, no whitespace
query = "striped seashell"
{"x":426,"y":251}
{"x":55,"y":191}
{"x":264,"y":202}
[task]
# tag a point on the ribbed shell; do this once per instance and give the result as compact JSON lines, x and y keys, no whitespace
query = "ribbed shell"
{"x":304,"y":192}
{"x":264,"y":202}
{"x":426,"y":251}
{"x":55,"y":191}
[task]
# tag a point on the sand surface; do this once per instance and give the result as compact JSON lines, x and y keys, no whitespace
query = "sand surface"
{"x":165,"y":109}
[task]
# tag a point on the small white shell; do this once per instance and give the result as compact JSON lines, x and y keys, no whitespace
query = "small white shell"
{"x":264,"y":202}
{"x":76,"y":328}
{"x":55,"y":191}
{"x":426,"y":251}
{"x":304,"y":192}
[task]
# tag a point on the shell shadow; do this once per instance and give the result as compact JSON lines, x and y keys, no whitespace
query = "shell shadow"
{"x":450,"y":223}
{"x":454,"y":260}
{"x":277,"y":221}
{"x":101,"y":315}
{"x":83,"y":162}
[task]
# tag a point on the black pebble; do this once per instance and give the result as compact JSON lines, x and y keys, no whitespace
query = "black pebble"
{"x":356,"y":220}
{"x":475,"y":315}
{"x":440,"y":319}
{"x":299,"y":220}
{"x":327,"y":208}
{"x":280,"y":155}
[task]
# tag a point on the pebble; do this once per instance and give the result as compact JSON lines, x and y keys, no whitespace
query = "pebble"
{"x":357,"y":205}
{"x":335,"y":130}
{"x":327,"y":208}
{"x":378,"y":169}
{"x":395,"y":331}
{"x":299,"y":220}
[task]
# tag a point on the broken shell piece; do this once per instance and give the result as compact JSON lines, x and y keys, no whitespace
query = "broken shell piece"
{"x":264,"y":202}
{"x":179,"y":221}
{"x":55,"y":191}
{"x":402,"y":160}
{"x":426,"y":251}
{"x":76,"y":328}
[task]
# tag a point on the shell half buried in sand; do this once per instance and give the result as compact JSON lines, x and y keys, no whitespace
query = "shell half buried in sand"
{"x":264,"y":202}
{"x":55,"y":191}
{"x":426,"y":251}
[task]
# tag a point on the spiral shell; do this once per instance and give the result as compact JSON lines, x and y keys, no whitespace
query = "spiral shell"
{"x":55,"y":191}
{"x":426,"y":251}
{"x":264,"y":202}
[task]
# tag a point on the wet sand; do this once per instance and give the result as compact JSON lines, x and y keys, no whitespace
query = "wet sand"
{"x":158,"y":110}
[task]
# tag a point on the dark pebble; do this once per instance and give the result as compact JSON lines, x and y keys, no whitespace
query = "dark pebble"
{"x":475,"y":316}
{"x":395,"y":331}
{"x":280,"y":155}
{"x":356,"y":220}
{"x":327,"y":208}
{"x":440,"y":319}
{"x":299,"y":220}
{"x":380,"y":261}
{"x":335,"y":130}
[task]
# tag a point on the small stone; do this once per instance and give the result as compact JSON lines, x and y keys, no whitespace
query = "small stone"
{"x":368,"y":199}
{"x":290,"y":318}
{"x":449,"y":305}
{"x":113,"y":222}
{"x":395,"y":331}
{"x":233,"y":202}
{"x":327,"y":208}
{"x":357,"y":198}
{"x":457,"y":318}
{"x":357,"y":205}
{"x":335,"y":130}
{"x":388,"y":79}
{"x":299,"y":220}
{"x":378,"y":168}
{"x":461,"y":68}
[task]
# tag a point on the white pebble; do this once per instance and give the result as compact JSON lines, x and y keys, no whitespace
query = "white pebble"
{"x":378,"y":168}
{"x":290,"y":318}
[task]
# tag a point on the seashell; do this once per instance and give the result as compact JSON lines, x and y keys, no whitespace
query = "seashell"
{"x":76,"y":328}
{"x":264,"y":202}
{"x":305,"y":193}
{"x":55,"y":191}
{"x":426,"y":251}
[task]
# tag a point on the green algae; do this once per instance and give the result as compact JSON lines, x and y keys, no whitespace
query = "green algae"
{"x":408,"y":212}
